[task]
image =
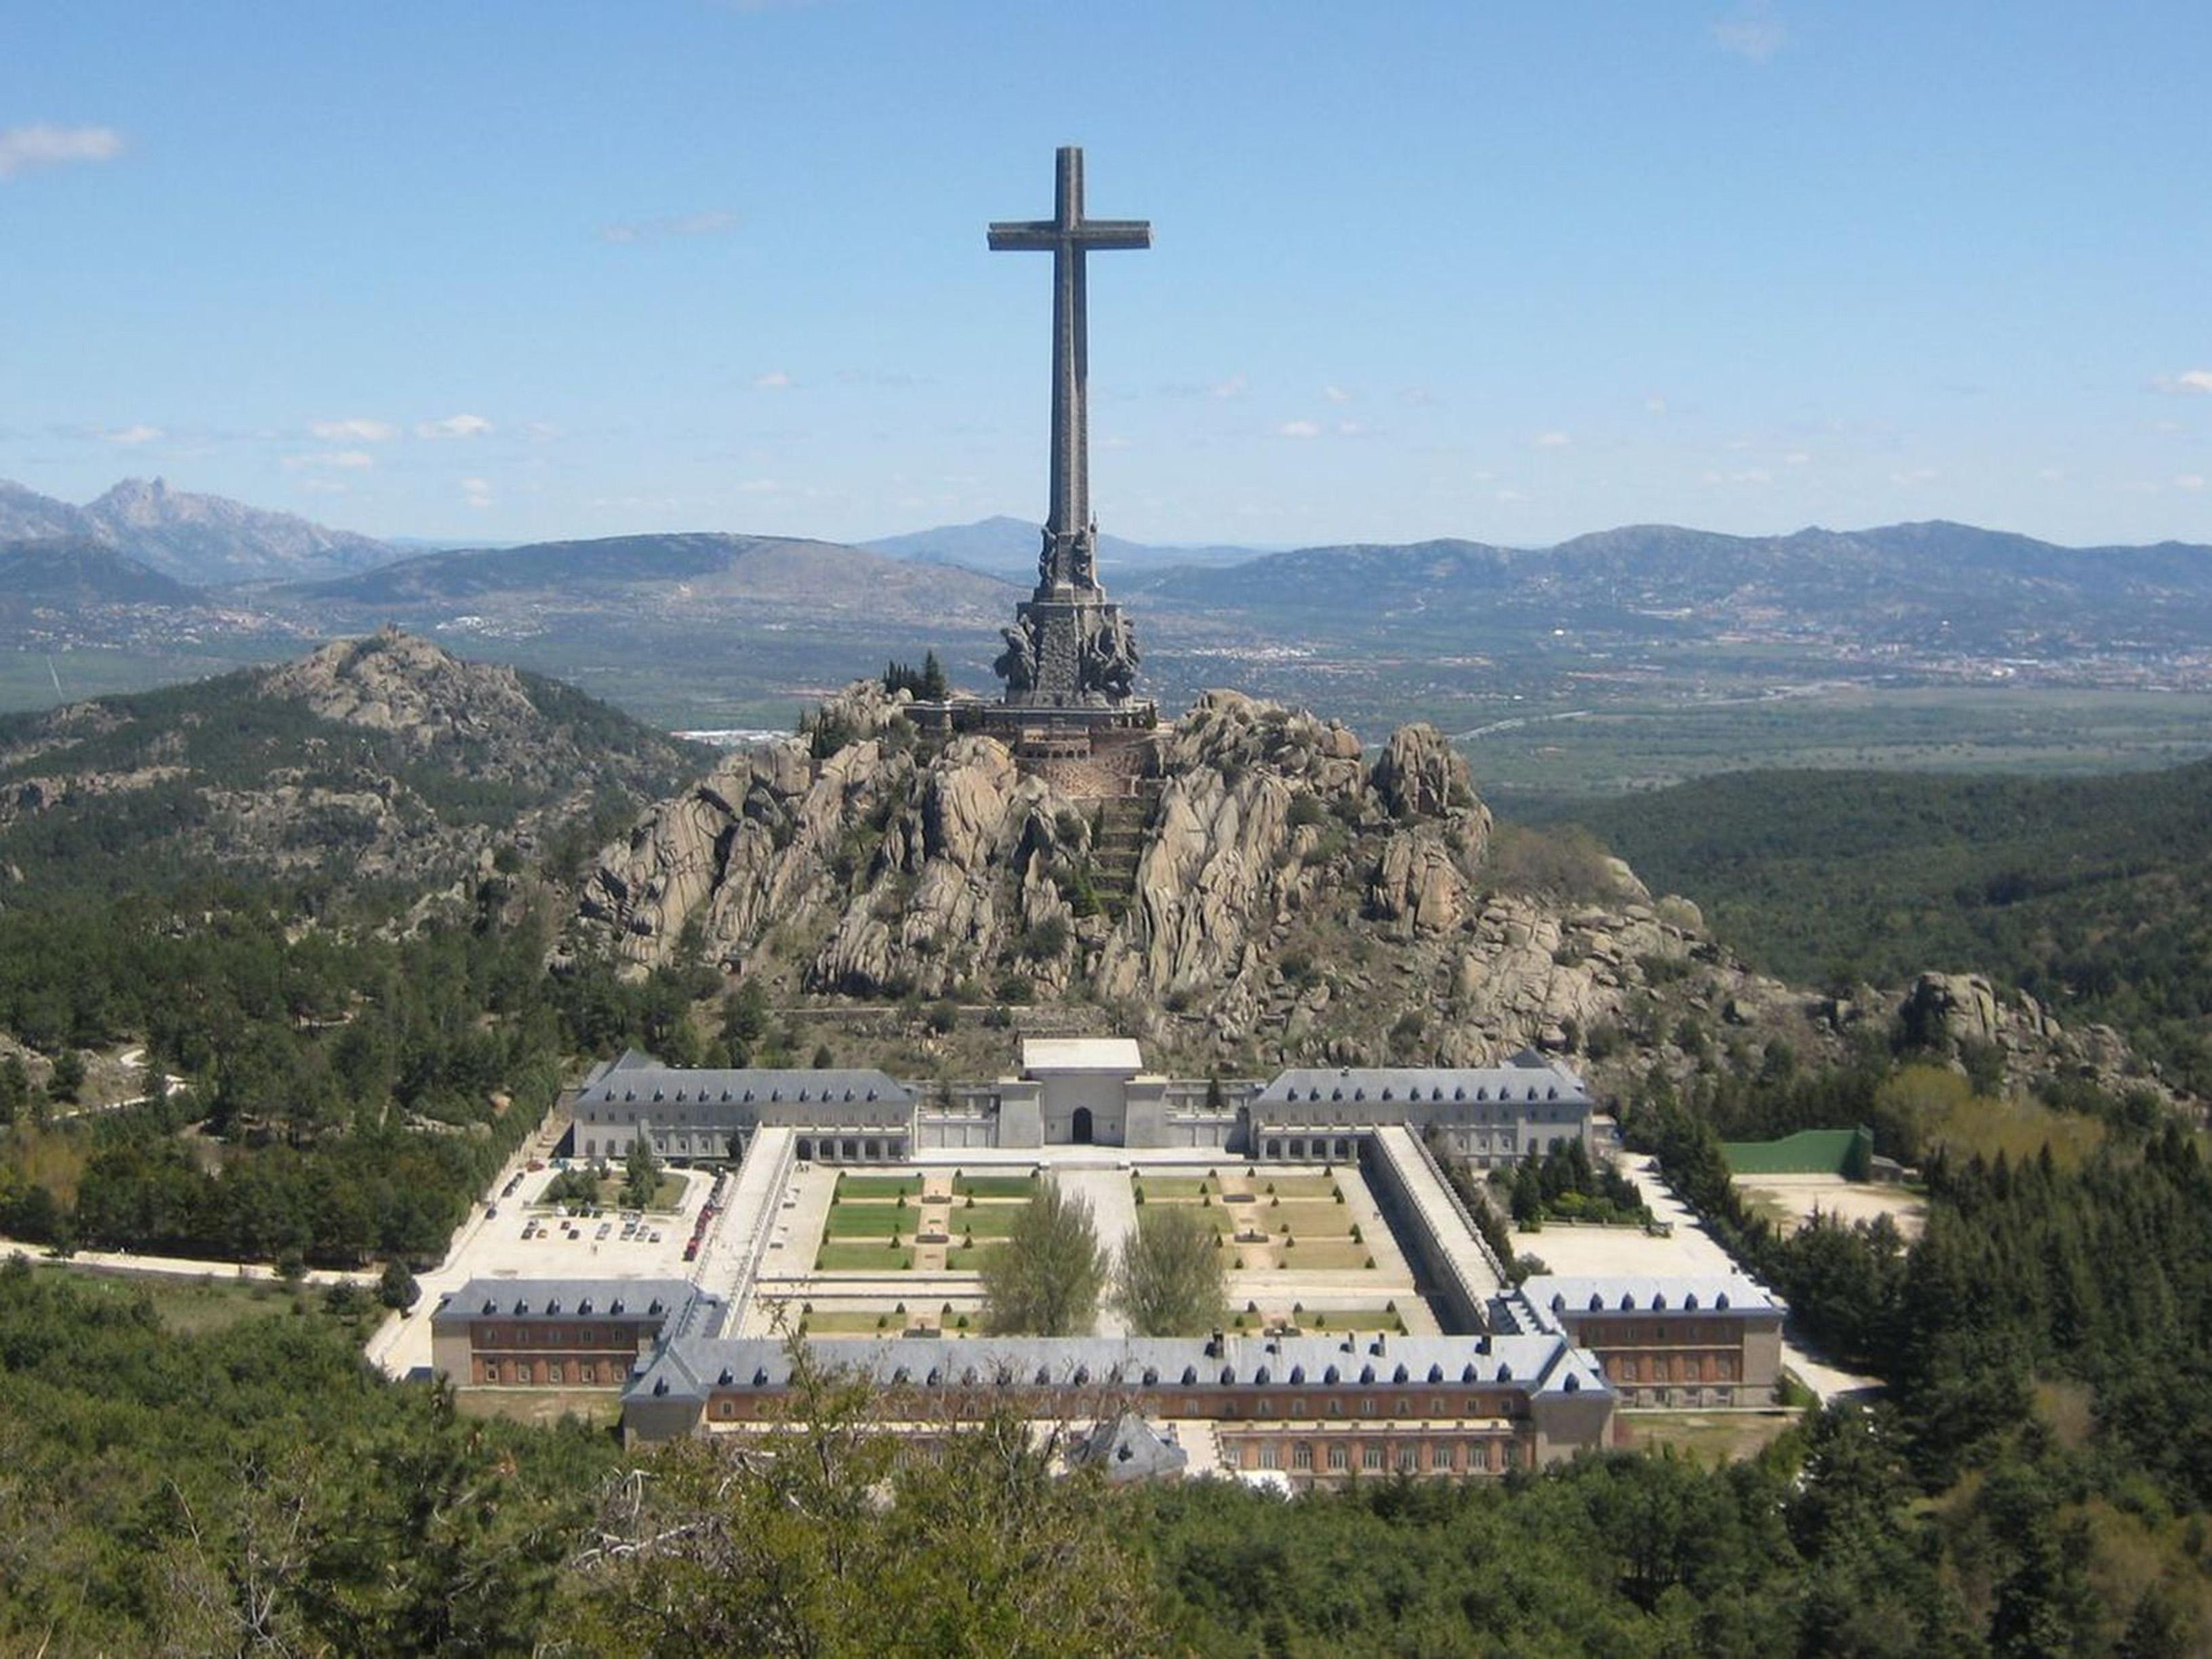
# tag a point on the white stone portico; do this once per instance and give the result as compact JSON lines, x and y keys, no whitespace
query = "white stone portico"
{"x":1082,"y":1091}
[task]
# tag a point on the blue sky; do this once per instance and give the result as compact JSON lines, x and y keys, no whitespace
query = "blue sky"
{"x":1509,"y":272}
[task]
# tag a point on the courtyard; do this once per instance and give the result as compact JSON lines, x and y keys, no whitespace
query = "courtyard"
{"x":898,"y":1249}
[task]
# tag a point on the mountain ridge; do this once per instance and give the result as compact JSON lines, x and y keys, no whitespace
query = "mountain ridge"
{"x":202,"y":540}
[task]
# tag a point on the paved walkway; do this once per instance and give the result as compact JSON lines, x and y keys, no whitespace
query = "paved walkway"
{"x":178,"y":1267}
{"x":1113,"y":1208}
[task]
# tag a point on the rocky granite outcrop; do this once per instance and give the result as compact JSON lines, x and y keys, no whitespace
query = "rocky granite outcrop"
{"x":1273,"y":896}
{"x":382,"y":759}
{"x":1286,"y":895}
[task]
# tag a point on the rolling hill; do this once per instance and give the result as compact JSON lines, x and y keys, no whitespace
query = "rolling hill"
{"x":698,"y":566}
{"x":376,"y":760}
{"x":2092,"y":894}
{"x":73,"y":572}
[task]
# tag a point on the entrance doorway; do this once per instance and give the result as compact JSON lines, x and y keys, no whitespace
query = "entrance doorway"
{"x":1080,"y":1130}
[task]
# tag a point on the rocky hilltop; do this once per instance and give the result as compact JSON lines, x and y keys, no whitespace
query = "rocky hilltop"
{"x":1275,"y":891}
{"x":377,"y":759}
{"x":1278,"y":894}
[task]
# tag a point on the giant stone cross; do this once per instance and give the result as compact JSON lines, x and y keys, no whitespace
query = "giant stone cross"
{"x":1070,"y":648}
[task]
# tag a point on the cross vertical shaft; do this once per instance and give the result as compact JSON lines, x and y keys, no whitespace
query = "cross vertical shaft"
{"x":1065,"y":563}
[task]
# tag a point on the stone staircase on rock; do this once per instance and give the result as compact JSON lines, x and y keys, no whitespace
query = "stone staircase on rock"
{"x":1118,"y":846}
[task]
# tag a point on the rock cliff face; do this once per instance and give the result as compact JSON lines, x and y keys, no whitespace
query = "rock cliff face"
{"x":1275,"y":894}
{"x":1275,"y":897}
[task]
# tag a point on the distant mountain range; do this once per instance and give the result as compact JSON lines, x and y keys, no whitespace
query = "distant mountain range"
{"x":204,"y":540}
{"x":1008,"y":547}
{"x":715,"y":628}
{"x":1921,"y":584}
{"x":698,"y":569}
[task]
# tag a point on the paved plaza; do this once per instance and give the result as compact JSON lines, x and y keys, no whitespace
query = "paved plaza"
{"x":491,"y":1245}
{"x":1688,"y":1251}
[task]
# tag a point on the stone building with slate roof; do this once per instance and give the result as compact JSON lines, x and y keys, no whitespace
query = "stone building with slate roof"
{"x":1317,"y":1409}
{"x":1490,"y":1115}
{"x":1078,"y":1092}
{"x":1711,"y":1339}
{"x":561,"y":1333}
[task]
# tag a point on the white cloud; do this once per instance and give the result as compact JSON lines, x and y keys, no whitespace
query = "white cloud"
{"x":774,"y":381}
{"x":1754,"y":32}
{"x":540,"y":432}
{"x":477,"y":492}
{"x":714,"y":222}
{"x":325,"y":487}
{"x":1232,"y":387}
{"x":2051,"y":474}
{"x":39,"y":145}
{"x":1914,"y":474}
{"x":1352,"y":429}
{"x":759,"y":487}
{"x":140,"y":434}
{"x":1418,"y":395}
{"x":1655,"y":405}
{"x":453,"y":426}
{"x":1336,"y":394}
{"x":2190,"y":379}
{"x":1510,"y":495}
{"x":356,"y":431}
{"x":1114,"y":440}
{"x":2189,"y":481}
{"x":343,"y":460}
{"x":1551,"y":440}
{"x":1798,"y":457}
{"x":1298,"y":430}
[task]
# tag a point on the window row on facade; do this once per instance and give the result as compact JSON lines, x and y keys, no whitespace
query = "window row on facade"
{"x":1346,"y":1455}
{"x":525,"y":1372}
{"x":729,"y":1407}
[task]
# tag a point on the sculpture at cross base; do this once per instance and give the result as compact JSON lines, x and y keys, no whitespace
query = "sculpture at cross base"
{"x":1071,"y":647}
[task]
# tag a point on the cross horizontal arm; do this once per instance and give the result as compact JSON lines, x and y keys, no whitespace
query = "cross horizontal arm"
{"x":1113,"y":233}
{"x":1024,"y":234}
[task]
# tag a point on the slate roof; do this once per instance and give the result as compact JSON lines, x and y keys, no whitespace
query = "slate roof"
{"x":637,"y":1079}
{"x":1702,"y":1293}
{"x":1516,"y":1084}
{"x":1127,"y":1448}
{"x":691,"y":1368}
{"x":568,"y":1299}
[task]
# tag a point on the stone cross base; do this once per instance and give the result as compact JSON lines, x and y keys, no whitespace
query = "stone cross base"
{"x":1071,"y":650}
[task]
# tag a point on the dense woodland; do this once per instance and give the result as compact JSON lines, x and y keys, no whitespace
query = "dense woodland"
{"x":183,"y":1473}
{"x":2092,"y":894}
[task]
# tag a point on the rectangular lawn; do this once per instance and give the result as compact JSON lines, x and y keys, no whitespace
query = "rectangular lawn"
{"x":986,"y":1220}
{"x":882,"y":1186}
{"x":1325,"y":1255}
{"x":1023,"y":1186}
{"x":867,"y":1220}
{"x":856,"y":1258}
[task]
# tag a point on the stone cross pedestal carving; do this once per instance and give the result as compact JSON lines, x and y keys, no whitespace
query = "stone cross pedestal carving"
{"x":1069,"y":647}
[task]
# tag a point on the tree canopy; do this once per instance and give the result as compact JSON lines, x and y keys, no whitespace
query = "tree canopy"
{"x":1045,"y":1279}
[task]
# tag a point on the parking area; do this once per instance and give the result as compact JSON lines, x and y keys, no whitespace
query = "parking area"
{"x":1687,"y":1248}
{"x":1794,"y":1199}
{"x":519,"y":1235}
